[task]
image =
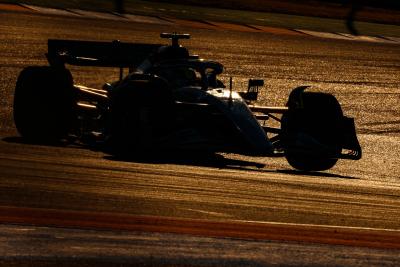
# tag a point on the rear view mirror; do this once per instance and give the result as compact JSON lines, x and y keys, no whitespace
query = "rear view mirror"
{"x":252,"y":89}
{"x":255,"y":83}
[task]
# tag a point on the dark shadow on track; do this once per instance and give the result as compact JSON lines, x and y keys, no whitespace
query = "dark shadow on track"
{"x":63,"y":143}
{"x":20,"y":140}
{"x":190,"y":158}
{"x":294,"y":172}
{"x":214,"y":160}
{"x":155,"y":157}
{"x":317,"y":174}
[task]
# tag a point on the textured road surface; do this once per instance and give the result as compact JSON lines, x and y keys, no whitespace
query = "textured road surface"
{"x":70,"y":247}
{"x":364,"y":76}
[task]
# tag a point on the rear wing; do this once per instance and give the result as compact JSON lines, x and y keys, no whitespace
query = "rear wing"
{"x":102,"y":54}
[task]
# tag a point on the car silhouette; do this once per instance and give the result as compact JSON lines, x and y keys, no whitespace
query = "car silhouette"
{"x":174,"y":101}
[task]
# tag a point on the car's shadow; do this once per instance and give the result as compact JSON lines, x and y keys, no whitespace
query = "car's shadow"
{"x":20,"y":140}
{"x":189,"y":158}
{"x":317,"y":174}
{"x":212,"y":160}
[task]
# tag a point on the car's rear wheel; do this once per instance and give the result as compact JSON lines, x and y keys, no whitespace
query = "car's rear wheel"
{"x":311,"y":133}
{"x":44,"y":104}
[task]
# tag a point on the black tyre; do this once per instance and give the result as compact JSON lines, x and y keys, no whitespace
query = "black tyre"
{"x":311,"y":133}
{"x":44,"y":104}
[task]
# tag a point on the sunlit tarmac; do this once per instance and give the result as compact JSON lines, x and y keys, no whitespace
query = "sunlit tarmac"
{"x":364,"y":77}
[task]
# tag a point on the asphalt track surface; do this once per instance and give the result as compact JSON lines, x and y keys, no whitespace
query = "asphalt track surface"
{"x":353,"y":196}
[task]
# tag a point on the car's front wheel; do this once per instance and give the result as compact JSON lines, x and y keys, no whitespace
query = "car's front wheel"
{"x":311,"y":133}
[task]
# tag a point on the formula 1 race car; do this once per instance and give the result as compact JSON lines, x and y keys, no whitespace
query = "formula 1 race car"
{"x":174,"y":101}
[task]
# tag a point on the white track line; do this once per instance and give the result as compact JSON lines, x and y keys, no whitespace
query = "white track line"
{"x":394,"y":39}
{"x":155,"y":20}
{"x":98,"y":15}
{"x":146,"y":19}
{"x":328,"y":35}
{"x":366,"y":38}
{"x":50,"y":11}
{"x":347,"y":36}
